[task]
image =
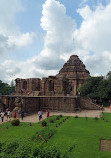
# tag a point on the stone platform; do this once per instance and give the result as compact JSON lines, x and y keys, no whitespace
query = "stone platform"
{"x":53,"y":103}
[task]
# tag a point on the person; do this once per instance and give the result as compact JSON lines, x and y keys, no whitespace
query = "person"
{"x":110,"y":107}
{"x":22,"y":114}
{"x":47,"y":113}
{"x":2,"y":116}
{"x":8,"y":114}
{"x":15,"y":114}
{"x":40,"y":114}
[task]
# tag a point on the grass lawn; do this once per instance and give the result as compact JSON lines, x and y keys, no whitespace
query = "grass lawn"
{"x":84,"y":134}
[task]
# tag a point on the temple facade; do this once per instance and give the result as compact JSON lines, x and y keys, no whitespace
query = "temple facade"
{"x":65,"y":83}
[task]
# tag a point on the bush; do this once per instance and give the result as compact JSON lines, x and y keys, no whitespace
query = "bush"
{"x":43,"y":135}
{"x":51,"y":121}
{"x":9,"y":148}
{"x":76,"y":116}
{"x":51,"y":152}
{"x":96,"y":118}
{"x":44,"y":123}
{"x":58,"y":117}
{"x":36,"y":150}
{"x":15,"y":122}
{"x":24,"y":150}
{"x":0,"y":147}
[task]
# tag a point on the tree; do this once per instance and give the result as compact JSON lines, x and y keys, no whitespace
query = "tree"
{"x":4,"y":88}
{"x":90,"y":87}
{"x":98,"y":88}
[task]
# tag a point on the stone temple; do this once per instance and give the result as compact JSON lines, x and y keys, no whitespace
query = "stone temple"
{"x":56,"y":93}
{"x":65,"y":83}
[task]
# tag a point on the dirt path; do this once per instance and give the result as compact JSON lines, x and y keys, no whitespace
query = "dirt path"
{"x":84,"y":113}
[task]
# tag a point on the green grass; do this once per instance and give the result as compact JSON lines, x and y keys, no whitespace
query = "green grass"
{"x":85,"y":134}
{"x":18,"y":132}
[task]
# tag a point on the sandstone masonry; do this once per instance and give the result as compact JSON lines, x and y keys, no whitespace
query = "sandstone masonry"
{"x":65,"y":83}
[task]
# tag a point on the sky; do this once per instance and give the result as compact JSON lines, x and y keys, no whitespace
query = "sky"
{"x":37,"y":37}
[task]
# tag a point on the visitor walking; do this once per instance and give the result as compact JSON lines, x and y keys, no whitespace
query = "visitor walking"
{"x":110,"y":107}
{"x":40,"y":115}
{"x":2,"y":116}
{"x":15,"y":114}
{"x":47,"y":113}
{"x":22,"y":114}
{"x":8,"y":114}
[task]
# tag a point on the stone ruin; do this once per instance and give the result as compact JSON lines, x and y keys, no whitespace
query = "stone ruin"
{"x":56,"y":93}
{"x":65,"y":83}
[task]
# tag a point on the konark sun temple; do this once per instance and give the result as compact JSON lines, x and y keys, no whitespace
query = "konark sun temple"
{"x":56,"y":93}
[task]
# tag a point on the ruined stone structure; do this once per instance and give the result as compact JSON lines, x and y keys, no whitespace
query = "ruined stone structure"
{"x":53,"y":103}
{"x":56,"y":93}
{"x":65,"y":83}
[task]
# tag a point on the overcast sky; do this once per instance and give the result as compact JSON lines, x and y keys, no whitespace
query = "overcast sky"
{"x":38,"y":36}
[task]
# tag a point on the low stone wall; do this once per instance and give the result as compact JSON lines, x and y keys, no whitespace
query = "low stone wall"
{"x":33,"y":104}
{"x":53,"y":103}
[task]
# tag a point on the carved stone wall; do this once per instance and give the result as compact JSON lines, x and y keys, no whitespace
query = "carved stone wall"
{"x":58,"y":103}
{"x":65,"y":83}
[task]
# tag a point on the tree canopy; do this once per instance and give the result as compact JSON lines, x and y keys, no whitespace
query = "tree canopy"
{"x":98,"y":88}
{"x":4,"y":88}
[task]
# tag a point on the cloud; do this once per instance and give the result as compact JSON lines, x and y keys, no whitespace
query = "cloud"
{"x":94,"y":33}
{"x":10,"y":35}
{"x":94,"y":36}
{"x":62,"y":38}
{"x":58,"y":39}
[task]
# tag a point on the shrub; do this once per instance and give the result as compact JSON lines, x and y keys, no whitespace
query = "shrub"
{"x":44,"y":123}
{"x":0,"y":147}
{"x":58,"y":117}
{"x":51,"y":152}
{"x":96,"y":118}
{"x":23,"y":151}
{"x":51,"y":121}
{"x":76,"y":116}
{"x":15,"y":122}
{"x":43,"y":135}
{"x":9,"y":148}
{"x":36,"y":151}
{"x":71,"y":147}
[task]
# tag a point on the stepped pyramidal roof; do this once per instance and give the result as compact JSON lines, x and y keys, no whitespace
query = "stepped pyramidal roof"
{"x":73,"y":69}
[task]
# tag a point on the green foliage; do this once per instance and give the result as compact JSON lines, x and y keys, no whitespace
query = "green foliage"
{"x":24,"y":150}
{"x":58,"y":118}
{"x":51,"y":120}
{"x":90,"y":87}
{"x":4,"y":88}
{"x":97,"y":88}
{"x":44,"y":123}
{"x":1,"y":146}
{"x":10,"y":147}
{"x":76,"y":116}
{"x":84,"y":134}
{"x":51,"y":152}
{"x":15,"y":122}
{"x":43,"y":135}
{"x":96,"y":118}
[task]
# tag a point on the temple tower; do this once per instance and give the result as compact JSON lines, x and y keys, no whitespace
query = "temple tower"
{"x":74,"y":70}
